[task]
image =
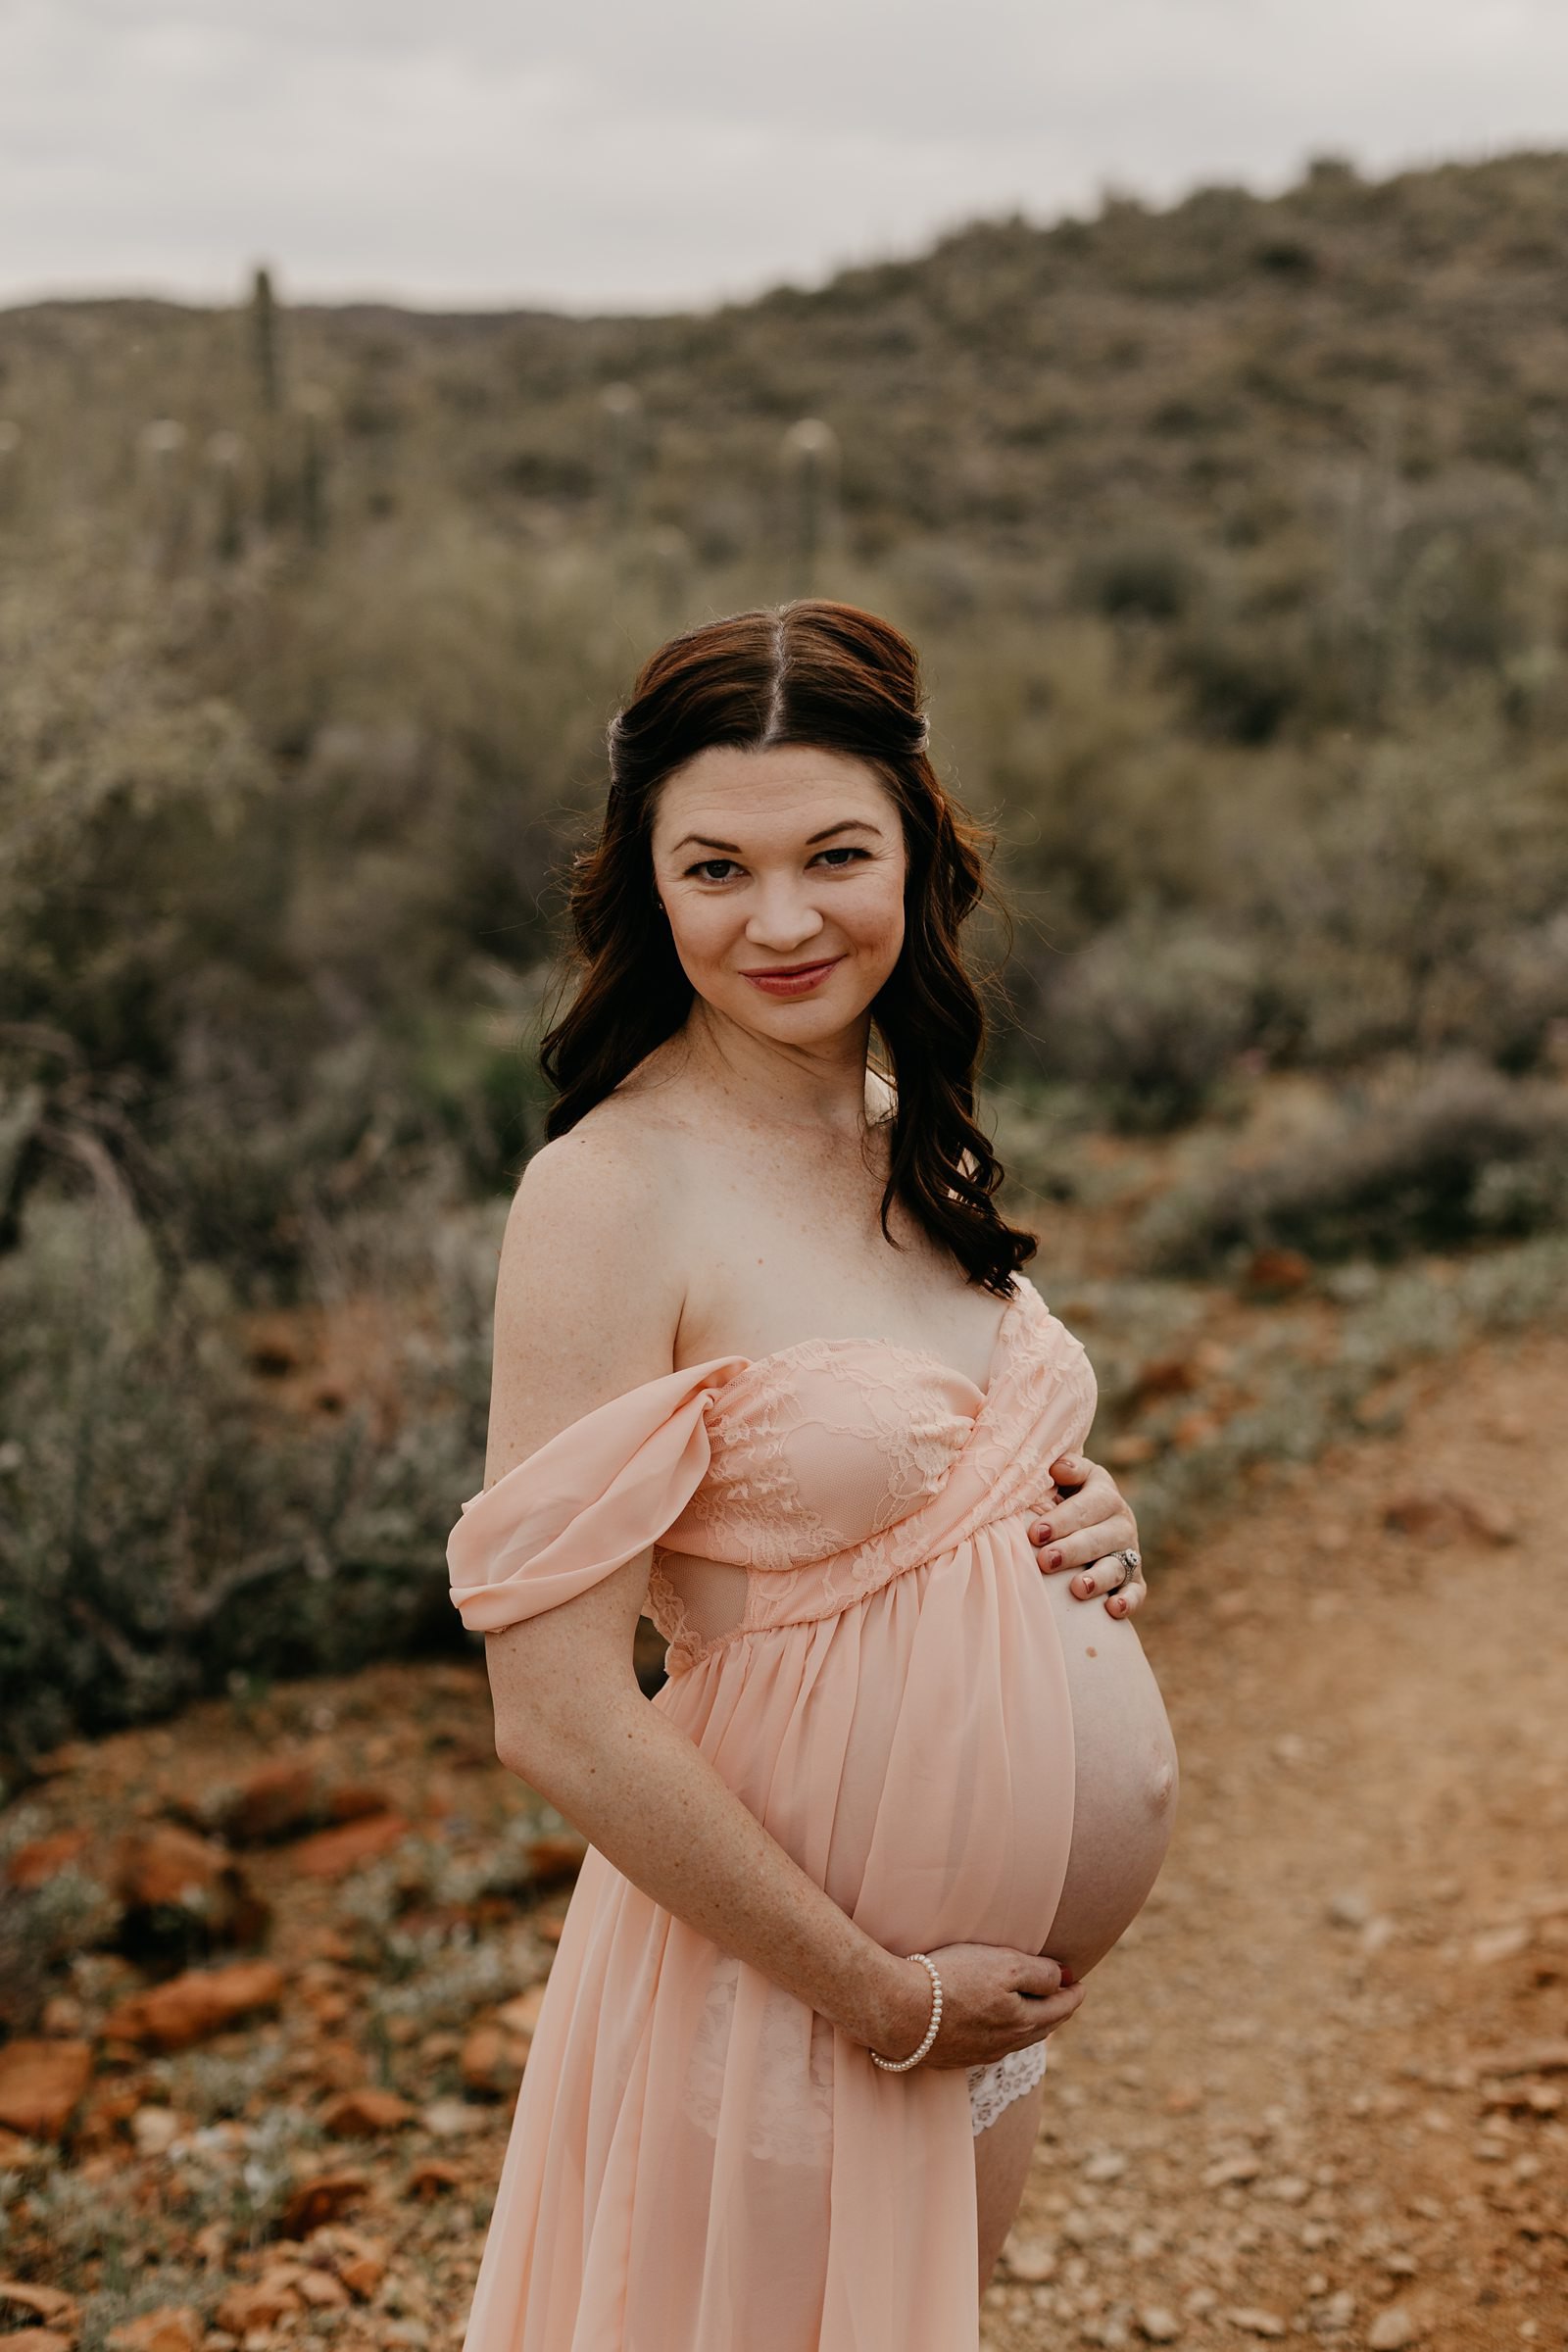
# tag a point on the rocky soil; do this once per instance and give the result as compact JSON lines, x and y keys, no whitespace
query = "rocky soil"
{"x":270,"y":1974}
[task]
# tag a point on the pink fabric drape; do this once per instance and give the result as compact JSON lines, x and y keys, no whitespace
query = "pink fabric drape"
{"x":698,"y":2163}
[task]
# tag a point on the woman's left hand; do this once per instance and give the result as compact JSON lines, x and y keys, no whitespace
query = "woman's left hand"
{"x":1087,"y":1527}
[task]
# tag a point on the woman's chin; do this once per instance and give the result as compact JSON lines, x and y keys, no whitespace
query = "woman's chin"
{"x":829,"y":1011}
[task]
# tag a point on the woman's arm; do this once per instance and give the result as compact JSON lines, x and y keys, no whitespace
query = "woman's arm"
{"x":588,"y":1307}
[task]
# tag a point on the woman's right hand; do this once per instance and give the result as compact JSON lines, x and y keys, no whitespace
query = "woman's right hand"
{"x":994,"y":1999}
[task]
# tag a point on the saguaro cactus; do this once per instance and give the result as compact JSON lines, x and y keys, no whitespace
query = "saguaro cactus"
{"x":621,"y":407}
{"x":265,"y":341}
{"x":811,"y":467}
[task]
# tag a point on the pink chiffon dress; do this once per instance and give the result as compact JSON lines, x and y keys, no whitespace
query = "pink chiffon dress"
{"x":698,"y":2161}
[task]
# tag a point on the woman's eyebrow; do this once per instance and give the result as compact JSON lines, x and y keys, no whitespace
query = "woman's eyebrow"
{"x":847,"y":824}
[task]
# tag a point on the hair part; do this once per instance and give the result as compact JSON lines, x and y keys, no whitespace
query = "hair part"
{"x":835,"y":678}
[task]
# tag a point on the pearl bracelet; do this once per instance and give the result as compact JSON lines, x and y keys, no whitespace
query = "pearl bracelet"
{"x":901,"y":2066}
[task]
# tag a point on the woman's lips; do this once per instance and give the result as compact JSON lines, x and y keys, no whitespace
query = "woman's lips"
{"x":793,"y":980}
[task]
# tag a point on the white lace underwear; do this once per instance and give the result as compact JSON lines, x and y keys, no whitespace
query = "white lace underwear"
{"x":992,"y":2087}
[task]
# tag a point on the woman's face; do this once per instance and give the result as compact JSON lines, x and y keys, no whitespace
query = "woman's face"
{"x":782,"y":876}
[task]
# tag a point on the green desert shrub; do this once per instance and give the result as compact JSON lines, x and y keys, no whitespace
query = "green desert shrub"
{"x":1146,"y":576}
{"x":161,"y":1528}
{"x":1151,"y":1016}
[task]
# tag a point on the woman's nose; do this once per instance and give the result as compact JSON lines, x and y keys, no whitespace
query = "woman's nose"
{"x":782,"y":922}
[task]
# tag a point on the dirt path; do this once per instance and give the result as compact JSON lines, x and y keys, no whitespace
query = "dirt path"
{"x":1297,"y":2099}
{"x":1320,"y":2093}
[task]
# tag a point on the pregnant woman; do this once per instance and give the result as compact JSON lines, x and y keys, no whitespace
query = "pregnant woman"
{"x":765,"y":1365}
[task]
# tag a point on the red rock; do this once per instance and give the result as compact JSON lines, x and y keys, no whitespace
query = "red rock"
{"x":44,"y":2302}
{"x":521,"y":2013}
{"x":340,"y":2064}
{"x":46,"y":2339}
{"x":257,"y":2306}
{"x":556,"y":1857}
{"x":1431,"y":1513}
{"x":40,"y":2083}
{"x":107,"y":2107}
{"x":320,"y":2200}
{"x":162,"y":1870}
{"x":275,"y":1800}
{"x":350,"y":1802}
{"x":1166,"y":1376}
{"x":192,"y":2006}
{"x":358,"y":2113}
{"x":1195,"y":1429}
{"x":321,"y":2291}
{"x":362,"y":2276}
{"x":33,"y":1863}
{"x":334,"y":1853}
{"x":492,"y":2061}
{"x":173,"y":2327}
{"x":359,"y":2260}
{"x":432,"y":2179}
{"x":1275,"y":1270}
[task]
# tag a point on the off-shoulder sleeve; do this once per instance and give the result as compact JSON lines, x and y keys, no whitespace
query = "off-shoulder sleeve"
{"x":586,"y":1502}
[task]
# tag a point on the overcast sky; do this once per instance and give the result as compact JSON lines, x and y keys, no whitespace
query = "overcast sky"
{"x":637,"y":154}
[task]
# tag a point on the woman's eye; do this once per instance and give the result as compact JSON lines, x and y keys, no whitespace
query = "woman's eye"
{"x":721,"y":869}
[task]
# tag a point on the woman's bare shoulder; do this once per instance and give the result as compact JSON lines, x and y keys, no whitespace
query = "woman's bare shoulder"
{"x":615,"y":1168}
{"x":590,"y":1285}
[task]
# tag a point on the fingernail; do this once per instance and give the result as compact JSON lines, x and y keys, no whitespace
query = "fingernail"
{"x":1052,"y":1559}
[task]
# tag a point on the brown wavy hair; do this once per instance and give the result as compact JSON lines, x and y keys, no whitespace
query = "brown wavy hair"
{"x":838,"y":679}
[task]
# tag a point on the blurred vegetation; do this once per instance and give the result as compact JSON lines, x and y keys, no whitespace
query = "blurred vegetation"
{"x":1236,"y":539}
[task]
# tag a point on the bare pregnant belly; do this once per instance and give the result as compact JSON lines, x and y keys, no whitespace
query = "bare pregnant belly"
{"x":1125,"y":1780}
{"x":1124,"y":1769}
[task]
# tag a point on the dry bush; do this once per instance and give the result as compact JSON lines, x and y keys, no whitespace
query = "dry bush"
{"x":1466,"y":1155}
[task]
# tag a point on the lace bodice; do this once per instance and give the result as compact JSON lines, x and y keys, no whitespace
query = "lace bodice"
{"x":834,"y":1463}
{"x":820,"y":1471}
